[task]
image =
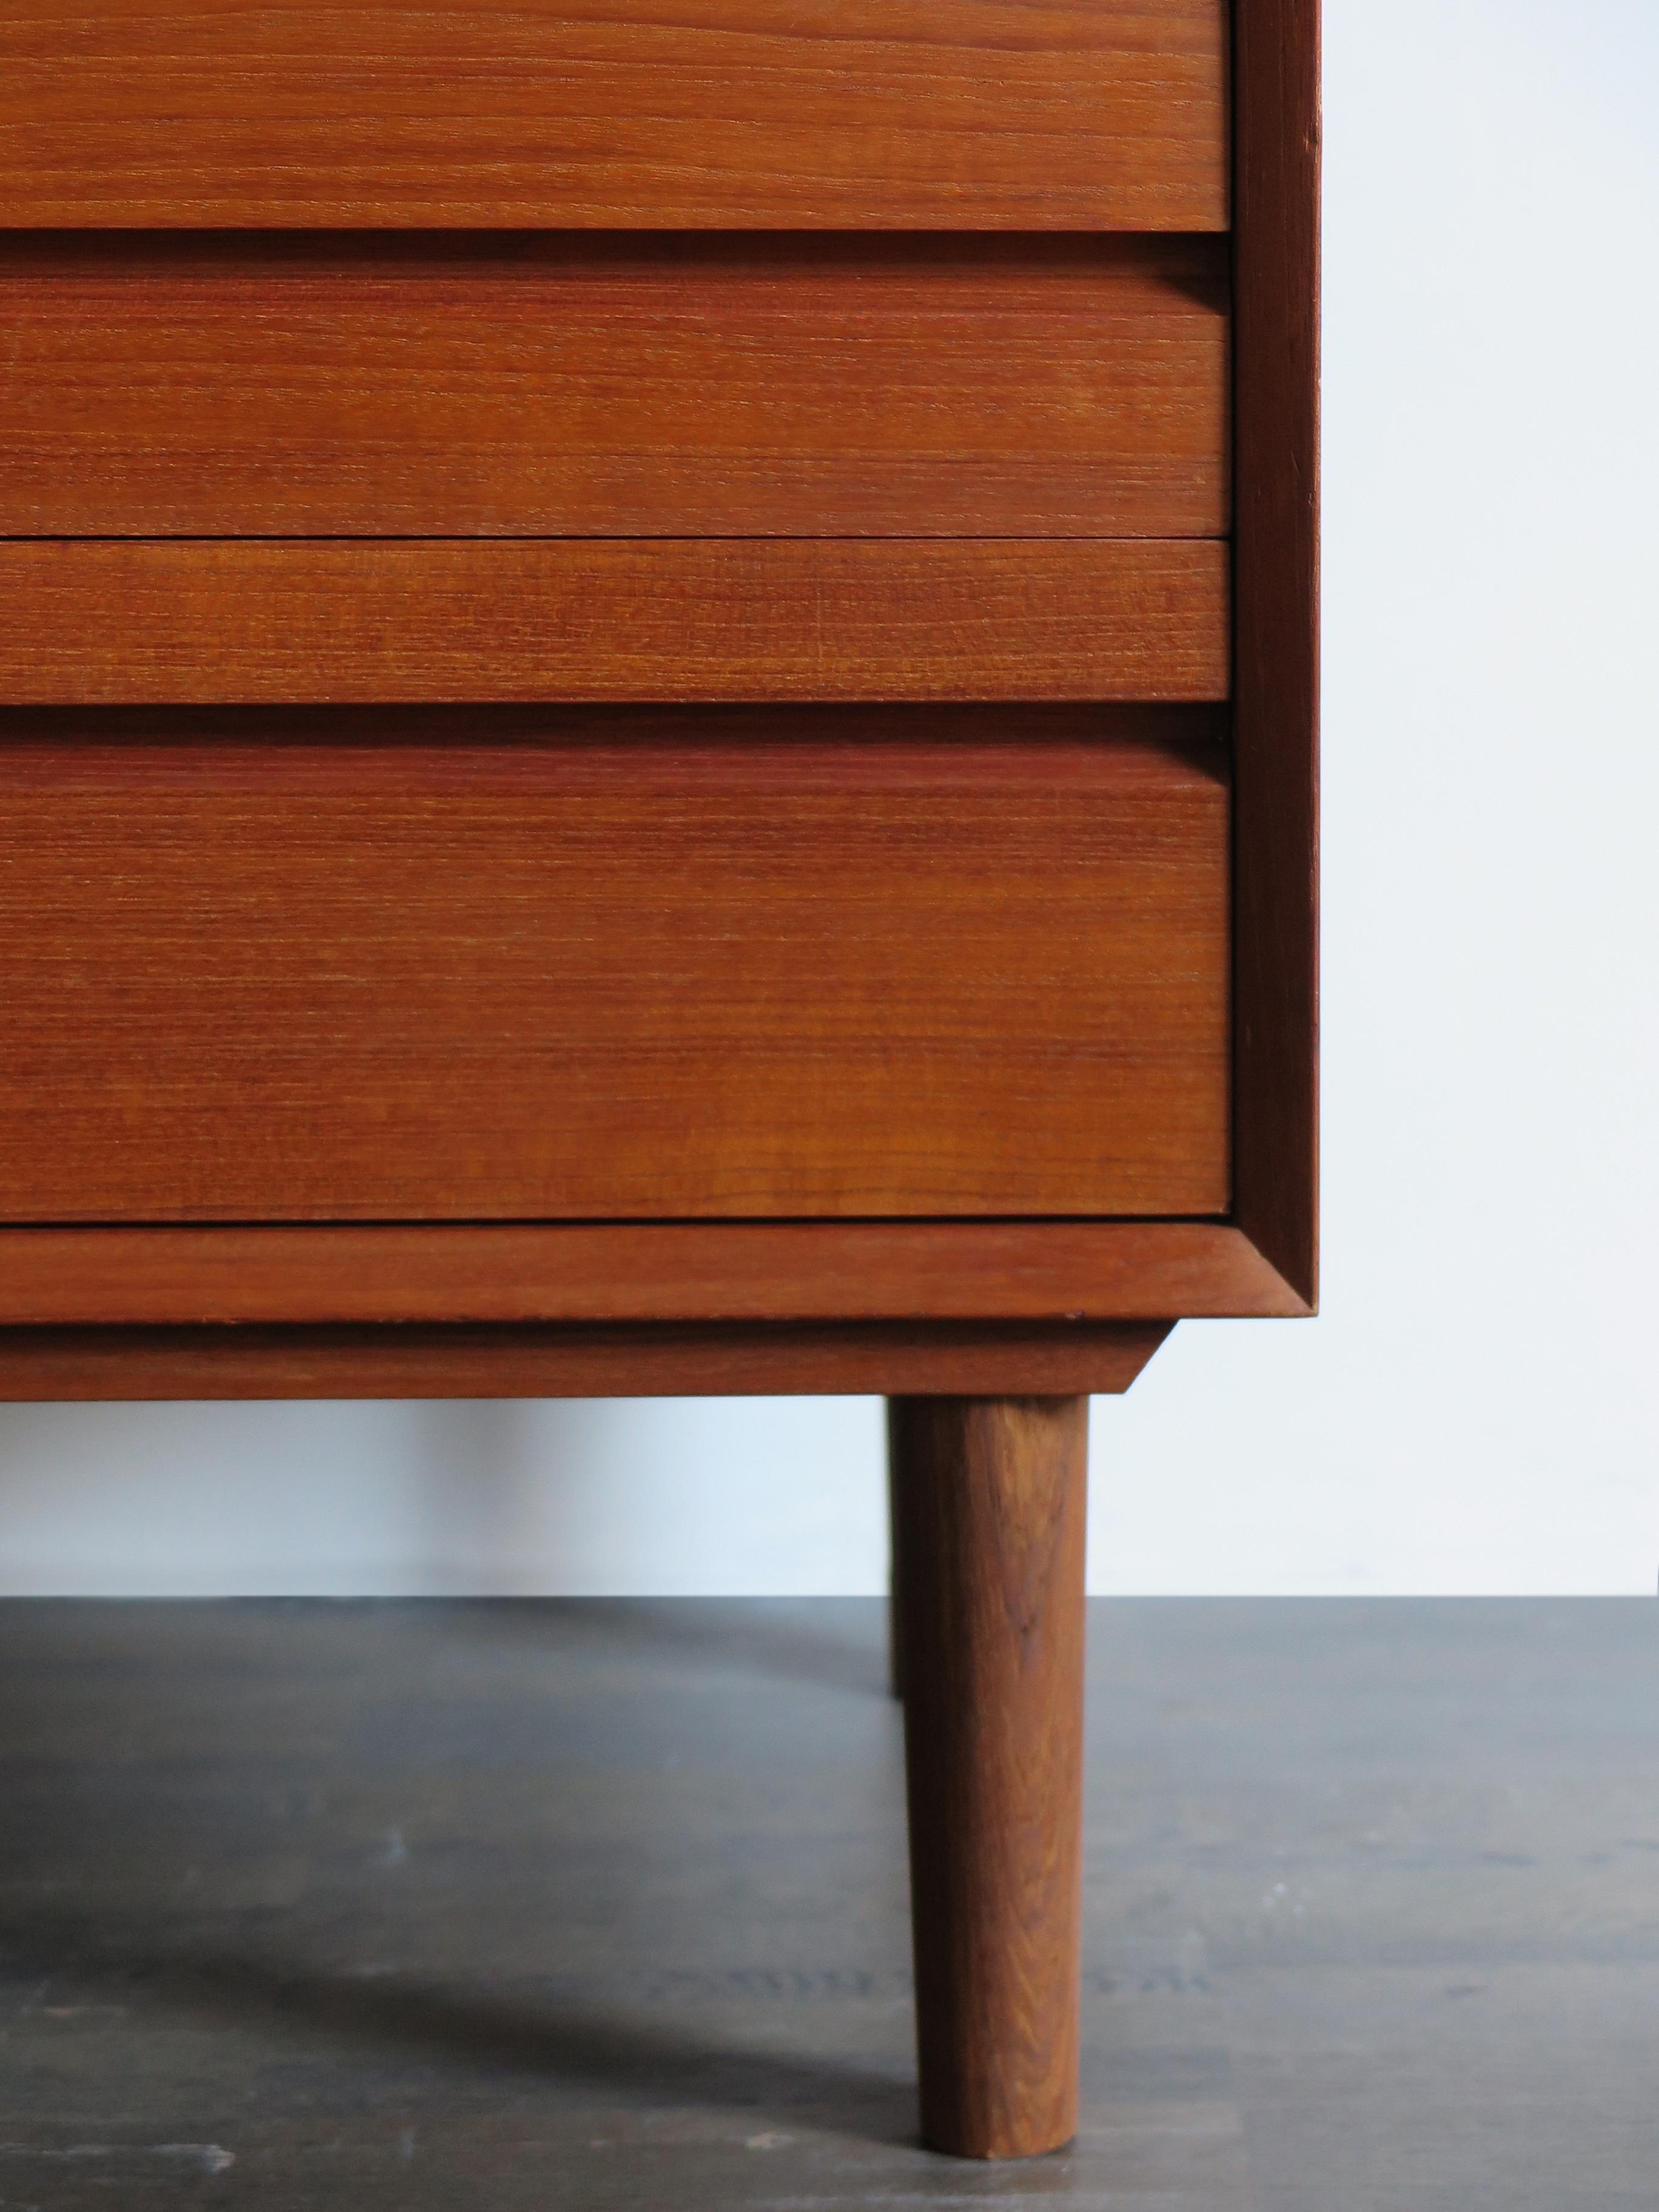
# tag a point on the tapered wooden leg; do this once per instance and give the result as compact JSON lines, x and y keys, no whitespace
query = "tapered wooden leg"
{"x":989,"y":1501}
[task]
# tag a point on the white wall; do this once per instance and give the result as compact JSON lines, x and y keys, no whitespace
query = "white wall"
{"x":1476,"y":1409}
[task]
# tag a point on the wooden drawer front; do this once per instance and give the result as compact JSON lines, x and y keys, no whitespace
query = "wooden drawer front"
{"x":558,"y":970}
{"x":592,"y":618}
{"x":971,"y":114}
{"x":614,"y":388}
{"x":652,"y":469}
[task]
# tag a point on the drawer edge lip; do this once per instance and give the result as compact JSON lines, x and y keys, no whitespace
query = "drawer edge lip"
{"x":1057,"y":1273}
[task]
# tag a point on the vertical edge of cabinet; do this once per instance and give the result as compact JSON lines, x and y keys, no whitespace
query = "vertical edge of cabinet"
{"x":1276,"y":245}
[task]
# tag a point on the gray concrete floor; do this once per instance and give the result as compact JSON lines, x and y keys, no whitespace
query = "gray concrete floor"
{"x":503,"y":1906}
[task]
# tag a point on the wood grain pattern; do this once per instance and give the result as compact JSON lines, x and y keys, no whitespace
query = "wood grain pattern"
{"x":990,"y":1497}
{"x":628,"y":618}
{"x":1277,"y":635}
{"x":613,"y":386}
{"x":967,"y":114}
{"x":529,"y":1362}
{"x":1060,"y":1273}
{"x":568,"y":980}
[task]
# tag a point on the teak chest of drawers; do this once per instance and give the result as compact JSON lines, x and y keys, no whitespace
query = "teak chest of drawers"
{"x":658,"y":699}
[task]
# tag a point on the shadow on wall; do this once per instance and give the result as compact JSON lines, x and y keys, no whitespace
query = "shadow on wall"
{"x":467,"y":1496}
